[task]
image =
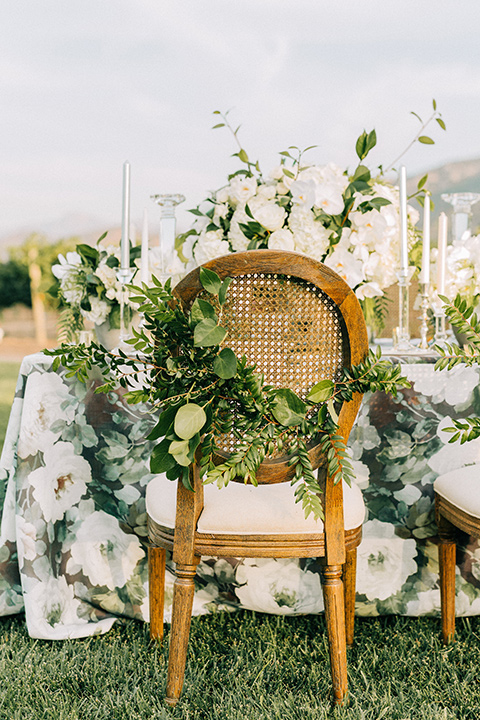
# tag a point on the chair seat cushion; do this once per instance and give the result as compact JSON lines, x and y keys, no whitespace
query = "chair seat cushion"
{"x":461,"y":488}
{"x":244,"y":509}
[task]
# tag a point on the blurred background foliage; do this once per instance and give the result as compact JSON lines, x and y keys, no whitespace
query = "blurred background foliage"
{"x":15,"y":275}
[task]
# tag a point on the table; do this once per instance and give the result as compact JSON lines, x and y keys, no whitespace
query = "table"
{"x":73,"y":527}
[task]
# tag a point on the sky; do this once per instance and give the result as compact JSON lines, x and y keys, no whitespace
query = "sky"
{"x":86,"y":86}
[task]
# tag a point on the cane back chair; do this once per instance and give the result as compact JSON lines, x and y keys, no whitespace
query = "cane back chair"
{"x":299,"y":322}
{"x":457,"y":505}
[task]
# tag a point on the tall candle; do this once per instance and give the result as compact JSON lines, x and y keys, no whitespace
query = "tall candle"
{"x":442,"y":252}
{"x":425,"y":270}
{"x":125,"y":242}
{"x":403,"y":220}
{"x":144,"y":272}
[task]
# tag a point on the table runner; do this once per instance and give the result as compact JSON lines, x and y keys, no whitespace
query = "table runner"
{"x":73,"y":534}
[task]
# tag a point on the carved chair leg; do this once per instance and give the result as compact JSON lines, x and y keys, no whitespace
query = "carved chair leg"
{"x":446,"y":559}
{"x":156,"y":590}
{"x":335,"y":619}
{"x":183,"y":593}
{"x":349,"y":578}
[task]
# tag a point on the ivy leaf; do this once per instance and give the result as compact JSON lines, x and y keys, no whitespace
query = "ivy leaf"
{"x":222,"y":293}
{"x":201,"y":310}
{"x":288,"y":408}
{"x":164,"y":424}
{"x":161,"y":460}
{"x":210,"y":280}
{"x":426,"y":140}
{"x":189,"y":420}
{"x":225,"y":364}
{"x":179,"y":450}
{"x":322,"y":391}
{"x":207,"y":333}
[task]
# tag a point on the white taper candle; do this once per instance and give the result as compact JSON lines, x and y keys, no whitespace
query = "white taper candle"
{"x":144,"y":271}
{"x":425,"y":270}
{"x":442,"y":252}
{"x":125,"y":242}
{"x":403,"y":220}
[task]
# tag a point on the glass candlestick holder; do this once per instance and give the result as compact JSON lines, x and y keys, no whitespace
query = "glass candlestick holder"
{"x":168,"y":202}
{"x":425,"y":304}
{"x":440,"y":337}
{"x":402,"y":335}
{"x":462,"y":211}
{"x":124,"y":277}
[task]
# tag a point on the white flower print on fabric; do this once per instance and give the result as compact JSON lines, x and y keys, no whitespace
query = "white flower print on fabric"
{"x":45,"y":397}
{"x":384,"y":561}
{"x":454,"y":387}
{"x":61,"y":482}
{"x":278,"y":586}
{"x":103,"y":552}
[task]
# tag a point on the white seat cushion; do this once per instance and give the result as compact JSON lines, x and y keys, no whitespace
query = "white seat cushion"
{"x":248,"y":510}
{"x":461,"y":488}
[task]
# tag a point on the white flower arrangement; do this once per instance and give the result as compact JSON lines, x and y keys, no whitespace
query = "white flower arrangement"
{"x":349,"y":221}
{"x":463,"y":268}
{"x":89,"y":287}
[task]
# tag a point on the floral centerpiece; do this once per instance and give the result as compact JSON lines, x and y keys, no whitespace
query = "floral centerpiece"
{"x":349,"y":221}
{"x":88,"y":287}
{"x":463,"y":268}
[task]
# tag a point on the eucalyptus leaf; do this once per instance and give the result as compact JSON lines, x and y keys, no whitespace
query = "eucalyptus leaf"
{"x":189,"y":420}
{"x":288,"y":409}
{"x":225,"y":364}
{"x":179,"y":450}
{"x":207,"y":333}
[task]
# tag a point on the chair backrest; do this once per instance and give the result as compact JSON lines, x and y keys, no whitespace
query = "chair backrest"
{"x":296,"y":320}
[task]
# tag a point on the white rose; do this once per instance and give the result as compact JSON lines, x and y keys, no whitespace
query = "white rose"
{"x":281,"y":240}
{"x":235,"y":235}
{"x":221,"y":210}
{"x":210,"y":245}
{"x":242,"y":188}
{"x":99,"y":310}
{"x":106,"y":274}
{"x":267,"y":192}
{"x":270,"y":215}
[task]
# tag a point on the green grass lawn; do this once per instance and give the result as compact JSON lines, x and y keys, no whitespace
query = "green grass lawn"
{"x":8,"y":381}
{"x":244,"y":666}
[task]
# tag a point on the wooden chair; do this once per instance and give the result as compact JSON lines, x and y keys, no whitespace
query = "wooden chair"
{"x":300,"y":323}
{"x":457,"y":505}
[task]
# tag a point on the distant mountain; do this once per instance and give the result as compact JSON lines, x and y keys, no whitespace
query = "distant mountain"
{"x":462,"y":176}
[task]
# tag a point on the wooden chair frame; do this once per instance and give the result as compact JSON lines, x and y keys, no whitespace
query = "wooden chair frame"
{"x":335,"y":546}
{"x":449,"y":518}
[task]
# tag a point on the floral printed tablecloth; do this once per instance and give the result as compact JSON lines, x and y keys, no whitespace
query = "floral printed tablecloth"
{"x":73,"y":527}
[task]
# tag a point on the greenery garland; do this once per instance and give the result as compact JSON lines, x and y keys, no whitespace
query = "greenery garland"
{"x":463,"y":317}
{"x":181,"y":368}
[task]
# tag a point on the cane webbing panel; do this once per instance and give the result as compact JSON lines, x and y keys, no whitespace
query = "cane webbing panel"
{"x":290,"y":329}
